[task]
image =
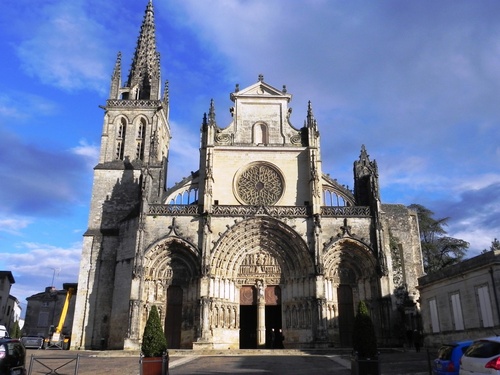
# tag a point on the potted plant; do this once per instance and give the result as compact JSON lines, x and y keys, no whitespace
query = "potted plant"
{"x":364,"y":359}
{"x":154,"y":355}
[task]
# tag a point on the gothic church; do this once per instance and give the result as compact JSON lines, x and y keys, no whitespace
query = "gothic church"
{"x":258,"y":239}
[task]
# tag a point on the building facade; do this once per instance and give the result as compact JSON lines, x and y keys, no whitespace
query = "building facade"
{"x":44,"y":311}
{"x":462,"y":301}
{"x":259,"y":238}
{"x":7,"y":302}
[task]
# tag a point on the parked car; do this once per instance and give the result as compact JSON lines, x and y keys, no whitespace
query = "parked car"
{"x":3,"y":332}
{"x":482,"y":357}
{"x":448,"y":358}
{"x":32,"y":342}
{"x":12,"y":357}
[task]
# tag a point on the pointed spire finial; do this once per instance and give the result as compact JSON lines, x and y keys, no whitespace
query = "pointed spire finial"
{"x":145,"y":71}
{"x":364,"y":155}
{"x":211,"y":113}
{"x":311,"y":121}
{"x":166,"y":93}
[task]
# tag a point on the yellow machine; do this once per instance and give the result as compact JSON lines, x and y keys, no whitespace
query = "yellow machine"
{"x":56,"y":339}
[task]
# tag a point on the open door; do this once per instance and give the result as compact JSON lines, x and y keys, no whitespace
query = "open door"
{"x":346,"y":314}
{"x":173,"y":319}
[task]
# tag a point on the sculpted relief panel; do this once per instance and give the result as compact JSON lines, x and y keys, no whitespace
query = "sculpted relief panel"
{"x":259,"y":265}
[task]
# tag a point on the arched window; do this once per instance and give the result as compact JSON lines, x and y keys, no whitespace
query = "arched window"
{"x":120,"y":139}
{"x":189,"y":196}
{"x":332,"y":199}
{"x":139,"y":153}
{"x":260,"y":134}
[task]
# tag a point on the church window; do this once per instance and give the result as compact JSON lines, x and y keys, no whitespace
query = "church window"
{"x":260,"y":184}
{"x":120,"y":139}
{"x":434,"y":315}
{"x":456,"y":309}
{"x":260,"y":134}
{"x":483,"y":295}
{"x":189,"y":196}
{"x":139,"y":154}
{"x":332,"y":199}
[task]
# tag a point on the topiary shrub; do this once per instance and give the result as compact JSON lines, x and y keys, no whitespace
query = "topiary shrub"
{"x":154,"y":343}
{"x":364,"y":340}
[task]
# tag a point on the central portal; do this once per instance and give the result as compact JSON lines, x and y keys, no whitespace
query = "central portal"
{"x":260,"y":317}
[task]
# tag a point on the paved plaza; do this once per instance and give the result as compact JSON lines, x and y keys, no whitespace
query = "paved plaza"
{"x":224,"y":362}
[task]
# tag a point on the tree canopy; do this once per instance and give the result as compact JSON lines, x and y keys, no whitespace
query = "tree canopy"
{"x":495,"y":245}
{"x":438,"y":250}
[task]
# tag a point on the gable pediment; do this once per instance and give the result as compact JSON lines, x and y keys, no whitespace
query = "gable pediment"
{"x":260,"y":89}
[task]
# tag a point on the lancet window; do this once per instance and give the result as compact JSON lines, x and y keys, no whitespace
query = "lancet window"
{"x":139,"y":153}
{"x":189,"y":196}
{"x":120,"y":139}
{"x":333,"y":199}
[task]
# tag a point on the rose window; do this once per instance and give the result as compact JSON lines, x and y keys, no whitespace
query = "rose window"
{"x":260,"y":185}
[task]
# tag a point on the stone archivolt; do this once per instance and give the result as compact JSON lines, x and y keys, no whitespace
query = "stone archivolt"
{"x":348,"y":255}
{"x":265,"y":236}
{"x":171,"y":260}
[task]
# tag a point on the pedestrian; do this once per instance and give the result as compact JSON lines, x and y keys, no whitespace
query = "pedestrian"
{"x":279,"y":338}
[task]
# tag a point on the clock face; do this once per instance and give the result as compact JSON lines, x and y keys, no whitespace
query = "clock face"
{"x":259,"y":184}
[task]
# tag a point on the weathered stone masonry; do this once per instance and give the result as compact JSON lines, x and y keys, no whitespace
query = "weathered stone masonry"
{"x":258,"y":239}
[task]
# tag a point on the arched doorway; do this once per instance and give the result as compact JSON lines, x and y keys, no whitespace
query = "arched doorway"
{"x":262,"y":255}
{"x":350,"y":274}
{"x":170,"y":280}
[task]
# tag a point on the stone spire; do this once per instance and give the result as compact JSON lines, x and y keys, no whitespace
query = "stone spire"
{"x":116,"y":78}
{"x":365,"y":179}
{"x":311,"y":121}
{"x":144,"y":76}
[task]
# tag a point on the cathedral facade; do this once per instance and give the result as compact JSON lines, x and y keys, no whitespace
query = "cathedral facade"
{"x":257,"y":241}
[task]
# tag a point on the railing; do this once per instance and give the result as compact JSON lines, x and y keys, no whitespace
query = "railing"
{"x":133,"y":103}
{"x":345,"y":211}
{"x":274,"y":211}
{"x":39,"y":365}
{"x":174,"y":209}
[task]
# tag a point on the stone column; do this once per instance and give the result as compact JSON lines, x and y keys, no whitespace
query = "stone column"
{"x":261,"y":315}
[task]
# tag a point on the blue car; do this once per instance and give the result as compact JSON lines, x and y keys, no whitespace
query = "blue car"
{"x":448,"y":359}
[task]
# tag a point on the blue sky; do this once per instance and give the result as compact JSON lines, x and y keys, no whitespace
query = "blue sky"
{"x":417,"y":82}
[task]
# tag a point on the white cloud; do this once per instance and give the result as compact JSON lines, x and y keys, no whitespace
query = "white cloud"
{"x":66,"y":48}
{"x":13,"y":225}
{"x":36,"y":264}
{"x":88,"y":151}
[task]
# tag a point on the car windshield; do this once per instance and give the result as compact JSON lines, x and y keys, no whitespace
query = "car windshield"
{"x":483,"y":349}
{"x":445,"y":352}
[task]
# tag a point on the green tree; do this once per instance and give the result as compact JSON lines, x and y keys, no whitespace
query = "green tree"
{"x":438,"y":250}
{"x":364,"y":340}
{"x":154,"y":343}
{"x":16,"y":331}
{"x":495,"y":245}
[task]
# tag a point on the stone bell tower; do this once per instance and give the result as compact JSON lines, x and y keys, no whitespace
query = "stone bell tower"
{"x":130,"y":173}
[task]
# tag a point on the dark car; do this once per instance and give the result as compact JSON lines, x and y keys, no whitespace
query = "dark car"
{"x":448,"y":358}
{"x":32,"y":342}
{"x":12,"y":357}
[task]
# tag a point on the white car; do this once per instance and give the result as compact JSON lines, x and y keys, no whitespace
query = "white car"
{"x":482,"y":357}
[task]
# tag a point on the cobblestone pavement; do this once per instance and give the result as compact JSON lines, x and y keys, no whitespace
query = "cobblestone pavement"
{"x":222,"y":362}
